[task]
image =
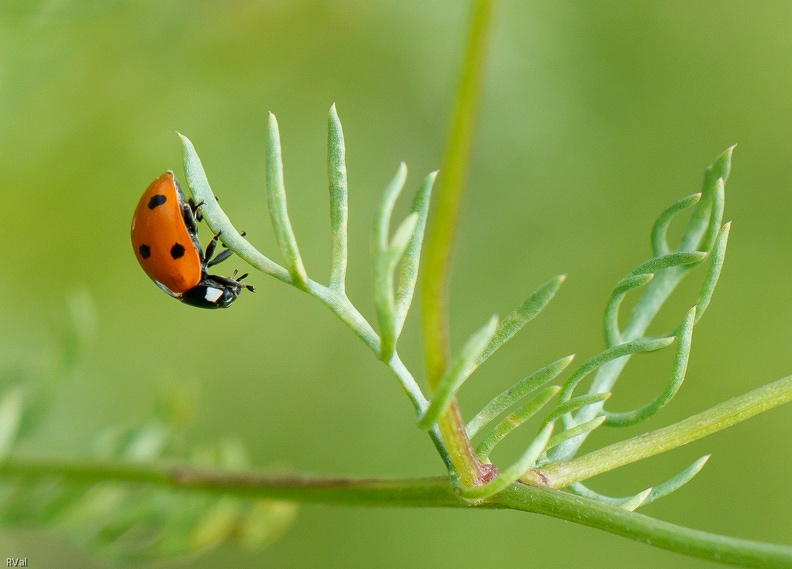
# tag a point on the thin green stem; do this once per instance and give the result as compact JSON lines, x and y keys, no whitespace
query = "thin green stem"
{"x":691,"y":542}
{"x":410,"y":492}
{"x":440,"y":240}
{"x":563,"y":473}
{"x":453,"y":179}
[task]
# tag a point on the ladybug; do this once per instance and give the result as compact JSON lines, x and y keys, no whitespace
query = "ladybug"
{"x":165,"y":239}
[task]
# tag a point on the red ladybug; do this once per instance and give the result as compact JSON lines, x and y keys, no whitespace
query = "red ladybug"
{"x":165,"y":239}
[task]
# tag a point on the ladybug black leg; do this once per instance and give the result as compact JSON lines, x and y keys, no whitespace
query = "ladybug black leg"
{"x":210,"y":251}
{"x":190,"y":216}
{"x":194,"y":209}
{"x":222,"y":256}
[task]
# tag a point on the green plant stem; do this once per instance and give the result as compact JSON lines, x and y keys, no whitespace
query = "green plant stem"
{"x":563,"y":473}
{"x":441,"y":237}
{"x":409,"y":492}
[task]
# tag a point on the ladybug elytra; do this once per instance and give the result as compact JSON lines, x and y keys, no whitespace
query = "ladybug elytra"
{"x":165,"y":239}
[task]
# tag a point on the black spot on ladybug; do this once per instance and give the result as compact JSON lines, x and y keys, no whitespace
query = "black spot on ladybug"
{"x":157,"y":200}
{"x":177,"y":251}
{"x":145,"y":251}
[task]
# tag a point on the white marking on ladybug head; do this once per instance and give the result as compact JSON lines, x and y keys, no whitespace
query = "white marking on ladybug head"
{"x":212,"y":294}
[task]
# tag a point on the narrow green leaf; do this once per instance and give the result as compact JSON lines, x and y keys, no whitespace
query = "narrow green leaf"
{"x":513,"y":473}
{"x":702,"y":217}
{"x":629,"y":503}
{"x":10,"y":417}
{"x":685,"y":336}
{"x":384,"y":265}
{"x":636,"y":501}
{"x":716,"y":216}
{"x":408,"y":275}
{"x":276,"y":202}
{"x":630,"y":348}
{"x":574,"y":404}
{"x":401,"y":239}
{"x":382,"y":216}
{"x":527,"y":311}
{"x":339,"y":210}
{"x":457,"y":373}
{"x":660,"y":229}
{"x":674,"y":483}
{"x":711,"y":280}
{"x":514,"y":420}
{"x":667,"y":261}
{"x":613,"y":335}
{"x":647,"y":496}
{"x":218,"y":221}
{"x":572,"y":432}
{"x":516,"y":392}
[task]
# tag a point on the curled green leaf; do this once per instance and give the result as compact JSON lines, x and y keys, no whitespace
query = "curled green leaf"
{"x":660,"y":229}
{"x":685,"y":336}
{"x":667,"y":261}
{"x":711,"y":280}
{"x":613,"y":335}
{"x":627,"y":349}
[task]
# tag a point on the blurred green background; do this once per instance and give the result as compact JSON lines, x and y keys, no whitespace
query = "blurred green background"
{"x":596,"y":116}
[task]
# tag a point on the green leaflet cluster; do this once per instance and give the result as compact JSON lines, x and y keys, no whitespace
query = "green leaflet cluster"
{"x":705,"y":238}
{"x":569,"y":418}
{"x":128,"y":521}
